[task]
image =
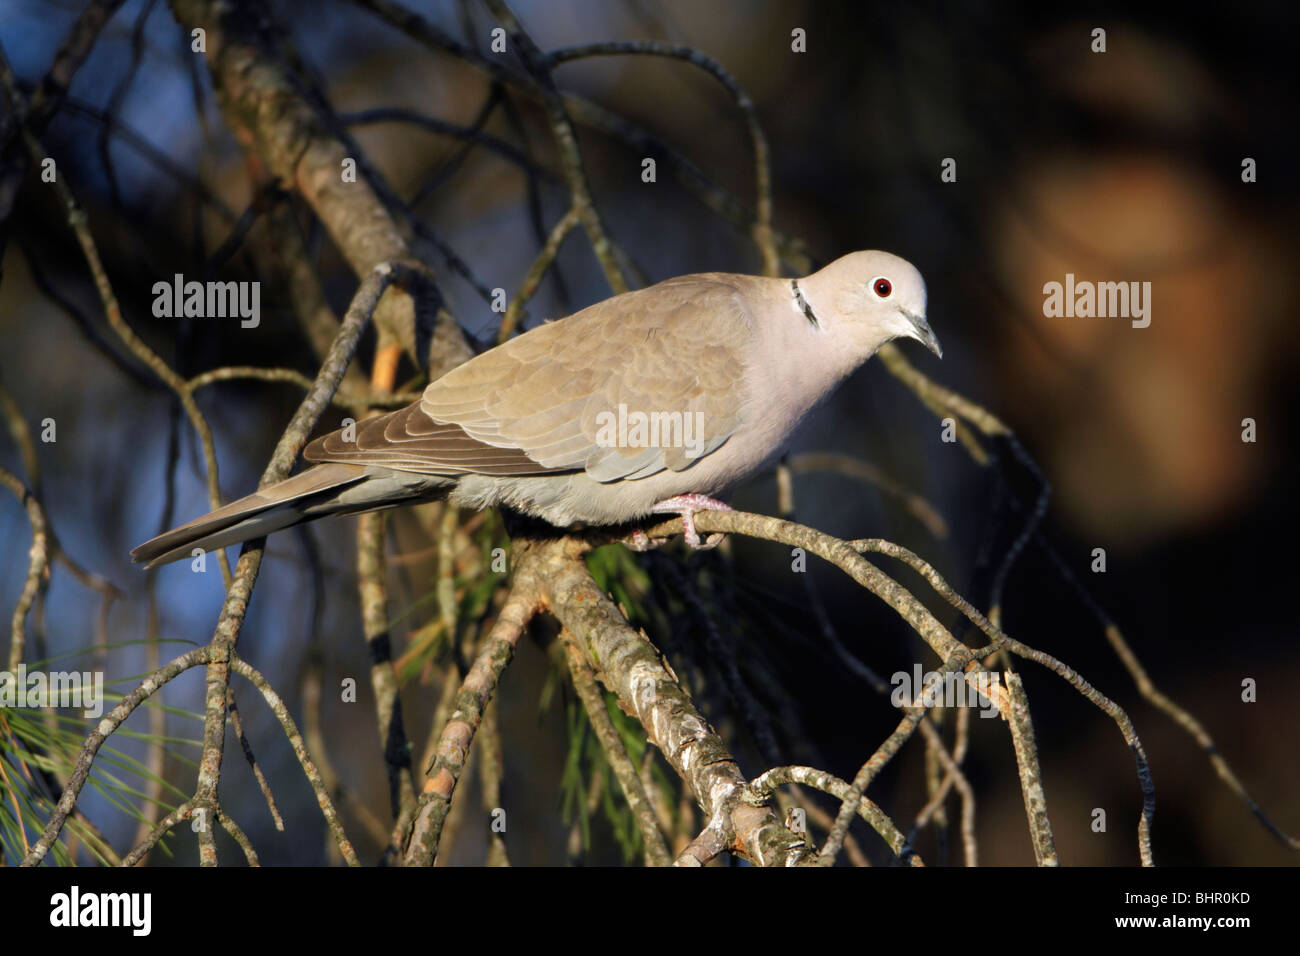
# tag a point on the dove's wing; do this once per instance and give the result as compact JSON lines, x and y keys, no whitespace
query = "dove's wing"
{"x":543,"y":403}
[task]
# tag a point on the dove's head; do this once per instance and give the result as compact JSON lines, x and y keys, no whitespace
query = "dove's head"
{"x":868,"y":298}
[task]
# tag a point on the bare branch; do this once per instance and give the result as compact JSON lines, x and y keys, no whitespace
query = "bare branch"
{"x":300,"y":751}
{"x":476,"y":690}
{"x":628,"y":664}
{"x":37,"y":567}
{"x":766,"y":783}
{"x":538,"y":65}
{"x":260,"y":99}
{"x":584,"y":682}
{"x":1031,"y":775}
{"x":109,"y":723}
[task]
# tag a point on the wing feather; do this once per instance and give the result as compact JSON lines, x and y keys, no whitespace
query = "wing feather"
{"x":544,"y":402}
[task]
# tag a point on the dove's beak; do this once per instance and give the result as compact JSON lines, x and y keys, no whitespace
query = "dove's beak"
{"x":922,"y":332}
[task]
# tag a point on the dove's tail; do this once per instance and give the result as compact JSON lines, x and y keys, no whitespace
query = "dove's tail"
{"x":329,"y":489}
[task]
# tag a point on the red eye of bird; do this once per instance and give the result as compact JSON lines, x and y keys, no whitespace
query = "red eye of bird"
{"x":882,"y":288}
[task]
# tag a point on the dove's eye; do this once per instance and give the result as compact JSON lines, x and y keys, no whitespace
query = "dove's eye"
{"x":882,"y":287}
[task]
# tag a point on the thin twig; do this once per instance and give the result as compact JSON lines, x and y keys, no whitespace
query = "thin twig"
{"x":237,"y":723}
{"x":281,"y":712}
{"x":476,"y":690}
{"x":593,"y":701}
{"x":854,"y":796}
{"x":633,"y":668}
{"x":536,"y":272}
{"x":107,"y":724}
{"x":491,"y":767}
{"x":758,"y":142}
{"x":538,"y":65}
{"x":373,"y":596}
{"x":150,"y":840}
{"x":37,"y":565}
{"x":914,"y":504}
{"x":767,"y":782}
{"x":1031,"y":775}
{"x":239,"y":836}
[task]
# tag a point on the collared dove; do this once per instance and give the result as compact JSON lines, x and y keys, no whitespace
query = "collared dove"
{"x":649,"y":402}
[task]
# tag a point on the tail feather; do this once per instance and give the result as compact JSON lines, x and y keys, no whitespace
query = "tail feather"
{"x":318,"y":491}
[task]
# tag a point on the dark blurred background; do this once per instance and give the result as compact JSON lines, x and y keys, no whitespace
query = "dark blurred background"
{"x":1123,"y":165}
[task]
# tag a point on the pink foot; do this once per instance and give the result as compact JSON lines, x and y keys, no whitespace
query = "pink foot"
{"x":687,"y":506}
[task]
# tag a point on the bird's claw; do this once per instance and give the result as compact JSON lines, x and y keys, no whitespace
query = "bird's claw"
{"x":687,"y":506}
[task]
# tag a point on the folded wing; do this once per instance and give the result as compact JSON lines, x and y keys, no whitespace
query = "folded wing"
{"x":544,"y":402}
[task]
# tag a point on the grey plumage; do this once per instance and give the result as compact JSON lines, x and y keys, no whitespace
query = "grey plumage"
{"x":532,"y":424}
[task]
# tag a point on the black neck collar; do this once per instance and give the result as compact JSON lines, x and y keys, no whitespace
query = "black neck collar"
{"x":803,"y":304}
